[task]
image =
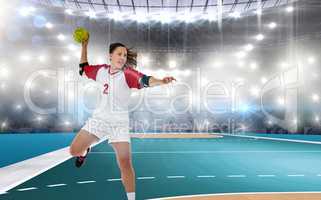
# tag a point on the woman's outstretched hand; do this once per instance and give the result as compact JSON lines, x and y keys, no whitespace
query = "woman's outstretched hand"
{"x":168,"y":79}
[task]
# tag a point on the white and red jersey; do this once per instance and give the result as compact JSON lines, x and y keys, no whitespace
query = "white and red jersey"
{"x":116,"y":90}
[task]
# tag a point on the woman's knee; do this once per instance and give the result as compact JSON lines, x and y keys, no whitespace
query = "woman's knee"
{"x":125,"y":163}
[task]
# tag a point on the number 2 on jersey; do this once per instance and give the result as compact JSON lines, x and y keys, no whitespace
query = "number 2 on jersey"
{"x":106,"y":88}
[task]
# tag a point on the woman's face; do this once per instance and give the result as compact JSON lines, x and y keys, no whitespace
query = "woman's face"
{"x":118,"y":57}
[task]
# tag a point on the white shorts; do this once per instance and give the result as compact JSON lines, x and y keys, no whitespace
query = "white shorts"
{"x":113,"y":131}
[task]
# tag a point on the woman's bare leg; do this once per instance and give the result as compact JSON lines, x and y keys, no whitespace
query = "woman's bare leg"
{"x":124,"y":160}
{"x":82,"y":142}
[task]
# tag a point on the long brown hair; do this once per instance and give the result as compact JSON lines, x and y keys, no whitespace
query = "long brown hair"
{"x":131,"y":55}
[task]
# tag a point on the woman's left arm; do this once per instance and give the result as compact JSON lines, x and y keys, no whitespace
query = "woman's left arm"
{"x":154,"y":81}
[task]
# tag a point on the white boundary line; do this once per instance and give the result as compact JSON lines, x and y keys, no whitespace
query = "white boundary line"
{"x":26,"y":189}
{"x":18,"y":173}
{"x":268,"y":138}
{"x":57,"y":185}
{"x":233,"y":194}
{"x":175,"y":177}
{"x":144,"y":178}
{"x":85,"y":182}
{"x":196,"y":152}
{"x":114,"y":179}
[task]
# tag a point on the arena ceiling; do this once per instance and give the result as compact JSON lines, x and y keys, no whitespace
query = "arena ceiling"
{"x":165,"y":8}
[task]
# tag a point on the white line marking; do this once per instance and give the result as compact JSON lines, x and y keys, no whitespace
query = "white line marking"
{"x":276,"y":139}
{"x":114,"y":179}
{"x":56,"y":185}
{"x":143,"y":178}
{"x":295,"y":175}
{"x":196,"y":152}
{"x":175,"y":176}
{"x":84,"y":182}
{"x":206,"y":176}
{"x":236,"y":176}
{"x":233,"y":194}
{"x":266,"y":175}
{"x":18,"y":173}
{"x":26,"y":189}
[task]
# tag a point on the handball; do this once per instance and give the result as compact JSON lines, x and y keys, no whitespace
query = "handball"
{"x":80,"y":35}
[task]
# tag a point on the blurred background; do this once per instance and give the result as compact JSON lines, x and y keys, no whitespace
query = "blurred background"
{"x":241,"y":65}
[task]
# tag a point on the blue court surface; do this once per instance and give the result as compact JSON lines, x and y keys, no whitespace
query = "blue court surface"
{"x":174,"y":167}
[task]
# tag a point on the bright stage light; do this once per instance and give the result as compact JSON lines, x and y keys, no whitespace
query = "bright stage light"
{"x":240,"y":64}
{"x":61,"y":37}
{"x":49,"y":25}
{"x":235,"y":15}
{"x":165,"y":17}
{"x":140,"y":17}
{"x":3,"y":86}
{"x":72,"y":47}
{"x":26,"y":11}
{"x":244,"y":108}
{"x":46,"y":92}
{"x":187,"y":72}
{"x":317,"y":118}
{"x":259,"y":37}
{"x":248,"y":47}
{"x":289,"y":9}
{"x":18,"y":107}
{"x":25,"y":57}
{"x":281,"y":101}
{"x":39,"y":118}
{"x":117,"y":16}
{"x":210,"y":17}
{"x":284,"y":65}
{"x":253,"y":66}
{"x":272,"y":25}
{"x":69,"y":11}
{"x":255,"y":91}
{"x":311,"y":60}
{"x":258,"y":12}
{"x":4,"y":73}
{"x":241,"y":54}
{"x":186,"y":17}
{"x":42,"y":58}
{"x":172,"y":64}
{"x":315,"y":98}
{"x":263,"y":80}
{"x":145,"y":60}
{"x":3,"y":125}
{"x":91,"y":14}
{"x":217,"y":64}
{"x":67,"y":123}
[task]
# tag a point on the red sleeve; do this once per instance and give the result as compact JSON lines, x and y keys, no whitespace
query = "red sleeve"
{"x":91,"y":70}
{"x":133,"y":77}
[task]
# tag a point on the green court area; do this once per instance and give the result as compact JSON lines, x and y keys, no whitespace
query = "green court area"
{"x":172,"y":167}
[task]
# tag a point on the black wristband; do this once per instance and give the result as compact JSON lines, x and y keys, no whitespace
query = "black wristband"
{"x":145,"y":81}
{"x":81,"y":67}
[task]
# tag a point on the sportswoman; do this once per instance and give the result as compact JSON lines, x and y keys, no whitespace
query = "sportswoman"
{"x":110,"y":118}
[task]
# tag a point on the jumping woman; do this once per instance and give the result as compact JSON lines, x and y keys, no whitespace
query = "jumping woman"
{"x":110,"y":118}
